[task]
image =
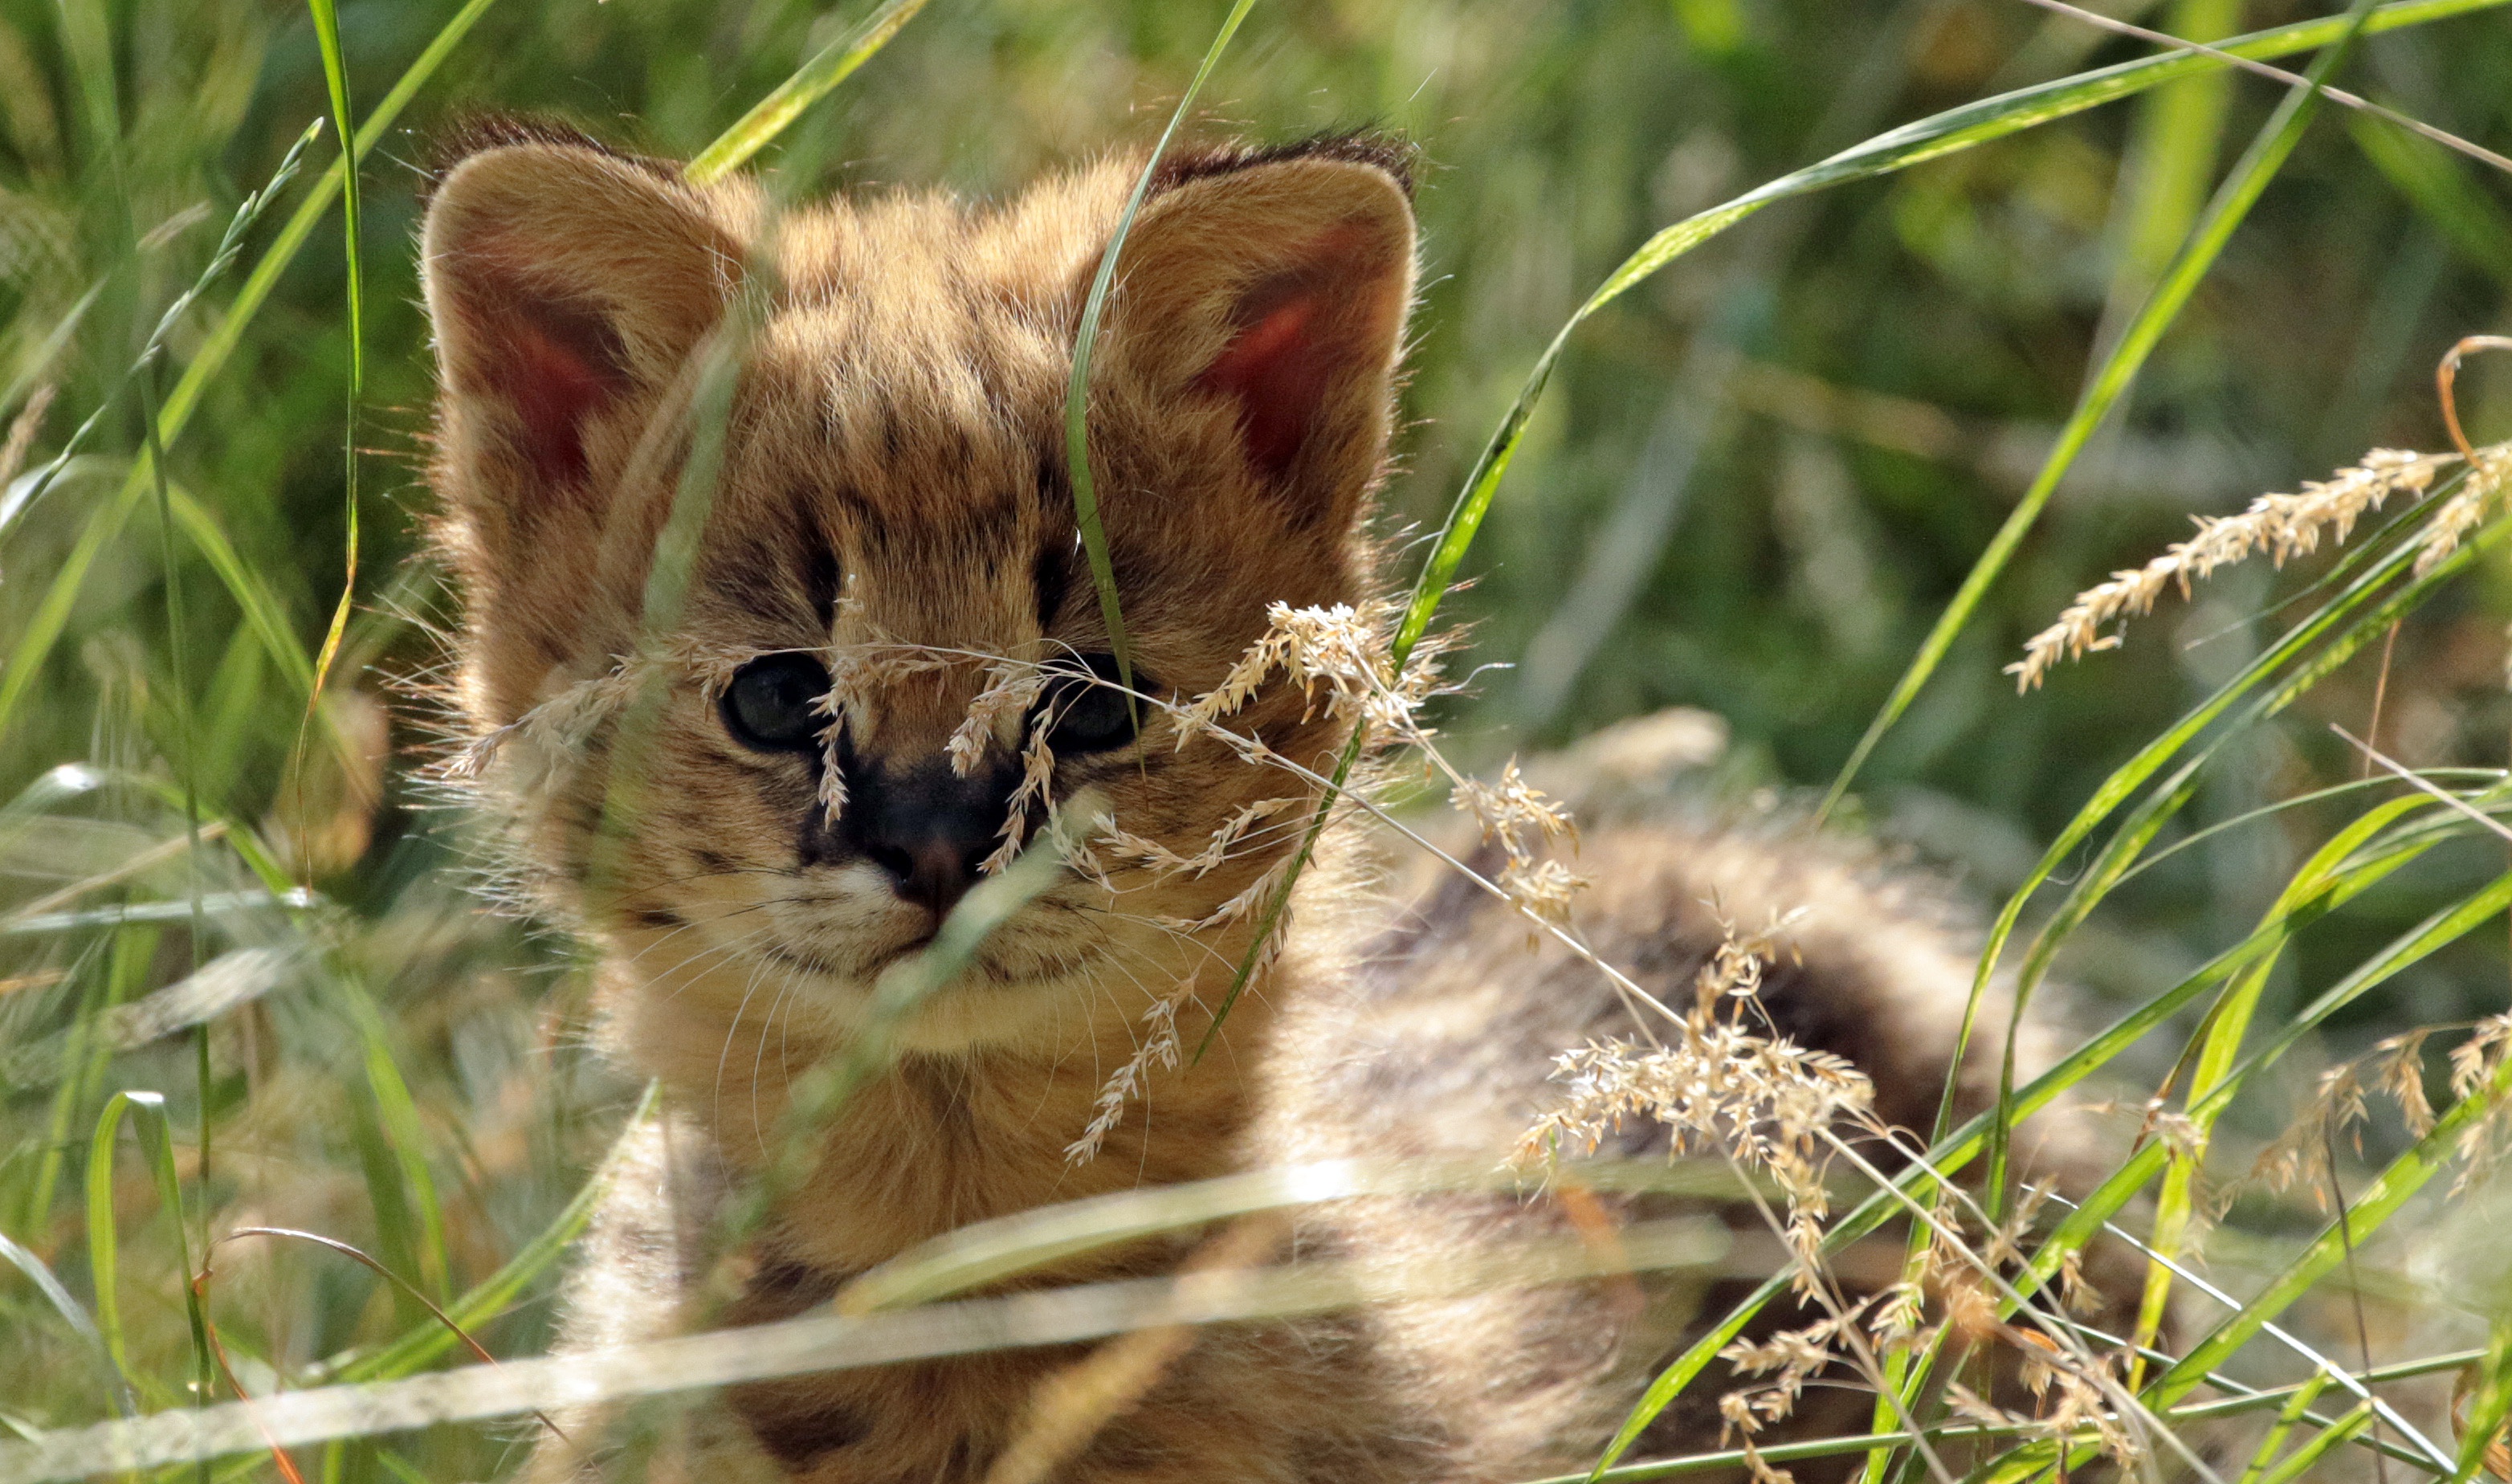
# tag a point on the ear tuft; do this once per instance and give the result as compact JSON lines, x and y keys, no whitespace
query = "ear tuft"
{"x":1390,"y":154}
{"x":479,"y":130}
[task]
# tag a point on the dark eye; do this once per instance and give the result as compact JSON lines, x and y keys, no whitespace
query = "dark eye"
{"x":1087,"y":718}
{"x":773,"y":703}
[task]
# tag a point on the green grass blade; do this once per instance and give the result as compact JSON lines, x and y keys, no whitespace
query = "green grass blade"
{"x":493,"y":1294}
{"x":2439,"y":187}
{"x":2126,"y":844}
{"x":2371,"y":1207}
{"x":2287,"y":1416}
{"x":2490,"y":1406}
{"x":2232,"y":204}
{"x":125,"y":968}
{"x":814,"y":80}
{"x":405,"y":1138}
{"x":2313,"y":647}
{"x":26,"y":657}
{"x":264,"y":616}
{"x":397,"y":1237}
{"x":2228,"y":1026}
{"x":51,"y":613}
{"x":2178,"y":131}
{"x":1086,"y":339}
{"x":1942,"y":134}
{"x":2319,"y":643}
{"x":247,"y":213}
{"x":1952,"y":1153}
{"x":73,"y":1314}
{"x":156,"y":1135}
{"x":1939,"y":135}
{"x":2305,"y":800}
{"x":2301,"y":1458}
{"x":335,"y":83}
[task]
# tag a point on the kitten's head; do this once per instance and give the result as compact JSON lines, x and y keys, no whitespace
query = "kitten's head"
{"x":881,"y":481}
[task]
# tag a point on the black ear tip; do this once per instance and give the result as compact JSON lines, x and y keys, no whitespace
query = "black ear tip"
{"x":478,"y":132}
{"x":1383,"y":149}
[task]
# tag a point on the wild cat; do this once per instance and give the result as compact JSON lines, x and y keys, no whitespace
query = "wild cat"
{"x":751,"y":813}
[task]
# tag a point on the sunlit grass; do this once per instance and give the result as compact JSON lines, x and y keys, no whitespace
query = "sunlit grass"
{"x":253,"y":956}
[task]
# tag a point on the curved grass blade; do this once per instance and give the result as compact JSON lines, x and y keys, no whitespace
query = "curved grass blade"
{"x":156,"y":1131}
{"x":26,"y":657}
{"x":2314,"y":647}
{"x":1942,"y":134}
{"x":126,"y":957}
{"x":335,"y":83}
{"x":403,"y":1285}
{"x":2232,"y":204}
{"x":814,"y":80}
{"x":2374,"y":570}
{"x":263,"y":612}
{"x":1928,"y":139}
{"x":1951,"y":1153}
{"x":1086,"y":339}
{"x":2371,"y":1207}
{"x":2196,"y":838}
{"x":2299,"y":1461}
{"x":221,"y":259}
{"x":2291,"y":1413}
{"x":2375,"y":566}
{"x":403,"y":1135}
{"x":335,"y":86}
{"x":2345,"y":867}
{"x":824,"y":1342}
{"x":2491,"y":1405}
{"x":71,"y":1313}
{"x":990,"y":1251}
{"x":2228,"y":1025}
{"x":493,"y":1294}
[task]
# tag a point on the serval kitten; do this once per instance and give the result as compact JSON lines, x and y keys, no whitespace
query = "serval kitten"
{"x":746,"y":791}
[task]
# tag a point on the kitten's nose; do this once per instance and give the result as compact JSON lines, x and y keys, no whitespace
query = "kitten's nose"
{"x":933,"y":873}
{"x":927,"y":827}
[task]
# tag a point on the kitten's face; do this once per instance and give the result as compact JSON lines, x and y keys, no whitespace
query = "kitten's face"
{"x":890,"y":528}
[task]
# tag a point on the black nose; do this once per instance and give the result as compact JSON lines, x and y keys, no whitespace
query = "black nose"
{"x":925,"y":827}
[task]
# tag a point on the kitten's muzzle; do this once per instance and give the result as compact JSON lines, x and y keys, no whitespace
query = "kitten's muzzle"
{"x":924,"y":827}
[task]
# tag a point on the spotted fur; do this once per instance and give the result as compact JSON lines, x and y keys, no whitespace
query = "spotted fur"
{"x":891,"y":470}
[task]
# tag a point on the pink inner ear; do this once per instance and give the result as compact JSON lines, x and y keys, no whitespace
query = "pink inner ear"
{"x":552,"y":387}
{"x":551,"y":359}
{"x":1276,"y":371}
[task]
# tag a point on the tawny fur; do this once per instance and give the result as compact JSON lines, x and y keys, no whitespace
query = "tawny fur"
{"x":892,"y":472}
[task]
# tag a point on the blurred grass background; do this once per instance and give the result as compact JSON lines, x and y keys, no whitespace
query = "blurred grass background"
{"x":1754,"y":486}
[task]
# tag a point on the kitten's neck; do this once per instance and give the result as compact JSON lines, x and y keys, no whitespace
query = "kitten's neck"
{"x":941,"y":1140}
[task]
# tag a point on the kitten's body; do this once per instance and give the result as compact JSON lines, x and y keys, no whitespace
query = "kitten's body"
{"x":891,"y":484}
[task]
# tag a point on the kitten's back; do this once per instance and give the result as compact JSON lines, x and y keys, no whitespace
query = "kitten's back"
{"x":1438,"y":1041}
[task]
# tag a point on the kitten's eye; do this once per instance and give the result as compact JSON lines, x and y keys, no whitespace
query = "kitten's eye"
{"x":772,"y":703}
{"x":1092,"y":719}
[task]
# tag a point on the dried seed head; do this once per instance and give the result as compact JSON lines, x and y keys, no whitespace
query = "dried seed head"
{"x":2281,"y":525}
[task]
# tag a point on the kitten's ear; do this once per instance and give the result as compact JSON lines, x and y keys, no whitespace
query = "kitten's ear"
{"x":562,"y":281}
{"x":1273,"y":289}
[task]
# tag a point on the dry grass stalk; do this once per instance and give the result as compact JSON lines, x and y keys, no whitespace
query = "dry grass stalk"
{"x":1069,"y":1408}
{"x":2283,"y":526}
{"x":2395,"y":1069}
{"x":1721,"y":1087}
{"x":1729,"y":1087}
{"x":28,"y":422}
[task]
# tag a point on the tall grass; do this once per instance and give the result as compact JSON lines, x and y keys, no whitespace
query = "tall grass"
{"x":229,"y":930}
